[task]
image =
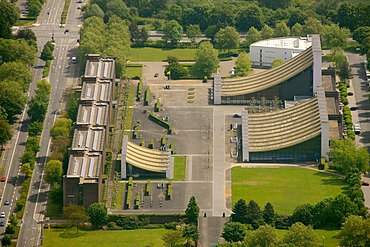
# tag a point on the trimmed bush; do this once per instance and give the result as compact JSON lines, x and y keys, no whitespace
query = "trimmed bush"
{"x":139,"y":90}
{"x":147,"y":188}
{"x":137,"y":201}
{"x":172,"y":147}
{"x":161,"y":122}
{"x":163,"y":140}
{"x":157,"y":105}
{"x":151,"y":144}
{"x":143,"y":142}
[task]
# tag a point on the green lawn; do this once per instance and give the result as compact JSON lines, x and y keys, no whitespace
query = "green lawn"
{"x":54,"y":210}
{"x":131,"y":71}
{"x":149,"y":54}
{"x":124,"y":238}
{"x":285,"y":188}
{"x":329,"y":236}
{"x":180,"y":168}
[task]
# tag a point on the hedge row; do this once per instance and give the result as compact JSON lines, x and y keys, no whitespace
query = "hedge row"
{"x":147,"y":188}
{"x":169,"y":190}
{"x":162,"y":123}
{"x":348,"y":122}
{"x":147,"y":96}
{"x":151,"y":218}
{"x":129,"y":192}
{"x":46,"y":70}
{"x":139,"y":90}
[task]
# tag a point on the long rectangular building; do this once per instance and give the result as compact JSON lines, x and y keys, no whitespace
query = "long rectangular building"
{"x":82,"y":183}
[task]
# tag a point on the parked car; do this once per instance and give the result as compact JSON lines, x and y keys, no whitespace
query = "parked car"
{"x":236,"y":115}
{"x":364,"y":183}
{"x":2,"y":215}
{"x":156,"y":74}
{"x":353,"y":108}
{"x":2,"y":223}
{"x":3,"y":179}
{"x":6,"y":202}
{"x":357,"y":129}
{"x":349,"y":93}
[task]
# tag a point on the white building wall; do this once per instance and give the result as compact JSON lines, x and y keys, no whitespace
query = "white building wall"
{"x":264,"y":56}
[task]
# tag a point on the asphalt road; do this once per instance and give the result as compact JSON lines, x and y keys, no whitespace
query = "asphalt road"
{"x":62,"y":73}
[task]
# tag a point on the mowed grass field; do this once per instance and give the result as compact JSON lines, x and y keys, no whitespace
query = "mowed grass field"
{"x":285,"y":188}
{"x":180,"y":168}
{"x":149,"y":54}
{"x":108,"y":238}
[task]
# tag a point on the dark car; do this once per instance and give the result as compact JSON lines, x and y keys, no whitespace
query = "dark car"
{"x":66,"y":31}
{"x":156,"y":74}
{"x":349,"y":93}
{"x":364,"y":183}
{"x":236,"y":115}
{"x":353,"y":108}
{"x":2,"y":223}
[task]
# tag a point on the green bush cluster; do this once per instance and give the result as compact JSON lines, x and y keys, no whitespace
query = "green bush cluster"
{"x":23,"y":198}
{"x":147,"y":96}
{"x":147,"y":188}
{"x":157,"y":105}
{"x":348,"y":122}
{"x":343,"y":93}
{"x":139,"y":90}
{"x":129,"y":192}
{"x":169,"y":190}
{"x":65,"y":12}
{"x":46,"y":70}
{"x":161,"y":122}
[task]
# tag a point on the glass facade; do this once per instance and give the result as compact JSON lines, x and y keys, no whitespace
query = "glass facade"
{"x":309,"y":150}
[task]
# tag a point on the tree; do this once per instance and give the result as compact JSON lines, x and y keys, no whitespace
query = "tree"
{"x":192,"y":211}
{"x":93,"y":10}
{"x":227,"y":38}
{"x":268,"y":214}
{"x":34,"y":7}
{"x":9,"y":14}
{"x":249,"y":16}
{"x":297,"y":29}
{"x":172,"y":239}
{"x":334,"y":36}
{"x":172,"y":32}
{"x":17,"y":50}
{"x":190,"y":233}
{"x":175,"y":70}
{"x":355,"y":231}
{"x":10,"y":229}
{"x":301,"y":235}
{"x":28,"y":35}
{"x":341,"y":207}
{"x":346,"y":155}
{"x":206,"y":60}
{"x":7,"y":239}
{"x":26,"y":169}
{"x":281,"y":29}
{"x":5,"y":132}
{"x":272,"y":4}
{"x":62,"y":128}
{"x":211,"y":32}
{"x":239,"y":211}
{"x":47,"y":51}
{"x":53,"y":171}
{"x":75,"y":215}
{"x":304,"y":213}
{"x":265,"y":236}
{"x":233,"y":232}
{"x":361,"y":33}
{"x":276,"y":63}
{"x":118,"y":8}
{"x":16,"y":72}
{"x":267,"y":32}
{"x":253,"y":215}
{"x":35,"y":128}
{"x":56,"y":193}
{"x":12,"y":99}
{"x":98,"y":214}
{"x":192,"y":32}
{"x":312,"y":26}
{"x":243,"y":65}
{"x":251,"y":36}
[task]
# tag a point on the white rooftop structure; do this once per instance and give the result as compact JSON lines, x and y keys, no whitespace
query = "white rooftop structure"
{"x":264,"y":52}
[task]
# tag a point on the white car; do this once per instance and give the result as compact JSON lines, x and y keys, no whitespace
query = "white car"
{"x":357,"y":129}
{"x":2,"y":215}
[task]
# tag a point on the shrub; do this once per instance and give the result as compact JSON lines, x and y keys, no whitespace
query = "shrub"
{"x":139,"y":90}
{"x":151,"y":144}
{"x":171,"y":225}
{"x":157,"y":105}
{"x":147,"y":96}
{"x":147,"y":188}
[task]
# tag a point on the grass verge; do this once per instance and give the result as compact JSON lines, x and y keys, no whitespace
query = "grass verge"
{"x":119,"y":199}
{"x":285,"y":188}
{"x":133,"y":71}
{"x":102,"y":238}
{"x":25,"y":22}
{"x":65,"y":12}
{"x":149,"y":54}
{"x":180,"y":168}
{"x":129,"y":110}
